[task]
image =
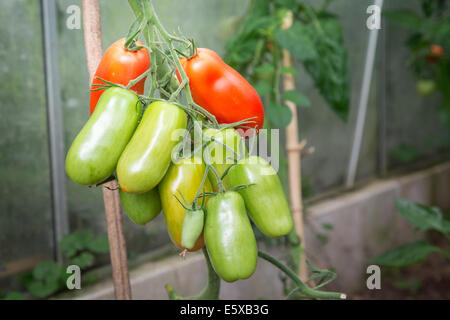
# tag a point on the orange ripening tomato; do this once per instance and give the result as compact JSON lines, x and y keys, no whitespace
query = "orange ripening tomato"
{"x":436,"y":51}
{"x":120,"y":65}
{"x":221,"y":90}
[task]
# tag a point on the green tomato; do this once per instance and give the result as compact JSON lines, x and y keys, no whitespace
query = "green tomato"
{"x":192,"y":228}
{"x":426,"y":86}
{"x":229,"y":237}
{"x":219,"y":155}
{"x":265,"y":200}
{"x":141,"y":207}
{"x":148,"y":155}
{"x":185,"y":177}
{"x":94,"y":153}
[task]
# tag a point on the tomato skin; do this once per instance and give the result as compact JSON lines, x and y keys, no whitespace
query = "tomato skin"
{"x":426,"y":87}
{"x":221,"y":90}
{"x":120,"y":65}
{"x":229,"y":237}
{"x":141,"y":208}
{"x":185,"y":176}
{"x":265,"y":201}
{"x":220,"y":154}
{"x":94,"y":153}
{"x":148,"y":155}
{"x":436,"y":51}
{"x":192,"y":228}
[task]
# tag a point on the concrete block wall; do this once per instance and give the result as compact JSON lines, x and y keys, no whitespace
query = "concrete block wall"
{"x":343,"y":232}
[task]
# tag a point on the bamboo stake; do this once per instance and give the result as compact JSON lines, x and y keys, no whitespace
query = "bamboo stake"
{"x":118,"y":250}
{"x":294,"y":149}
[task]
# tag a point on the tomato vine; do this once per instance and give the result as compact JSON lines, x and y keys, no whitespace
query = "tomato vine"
{"x":165,"y":50}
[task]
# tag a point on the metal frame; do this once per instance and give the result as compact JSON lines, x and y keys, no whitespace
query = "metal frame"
{"x":362,"y":106}
{"x":54,"y":123}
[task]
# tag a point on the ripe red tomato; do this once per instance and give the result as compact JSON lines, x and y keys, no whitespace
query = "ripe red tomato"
{"x":436,"y":51}
{"x":221,"y":90}
{"x":120,"y":65}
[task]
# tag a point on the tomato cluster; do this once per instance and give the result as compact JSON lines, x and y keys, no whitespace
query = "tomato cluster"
{"x":205,"y":197}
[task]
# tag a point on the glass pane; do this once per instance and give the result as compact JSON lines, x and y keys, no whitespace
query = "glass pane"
{"x":332,"y":138}
{"x":25,"y":200}
{"x":414,"y":131}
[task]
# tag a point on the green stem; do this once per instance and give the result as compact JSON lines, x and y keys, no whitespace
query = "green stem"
{"x":134,"y":81}
{"x":303,"y":288}
{"x":219,"y":181}
{"x":211,"y":290}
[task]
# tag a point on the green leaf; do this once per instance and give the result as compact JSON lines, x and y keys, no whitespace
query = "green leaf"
{"x":99,"y":245}
{"x":405,"y":18}
{"x":84,"y":260}
{"x":43,"y":289}
{"x":297,"y":41}
{"x":405,"y":255}
{"x":262,"y":87}
{"x":404,"y":153}
{"x":289,"y":70}
{"x":421,"y":216}
{"x":265,"y":72}
{"x":72,"y":243}
{"x":296,"y":97}
{"x":319,"y":46}
{"x":327,"y":226}
{"x":289,"y":4}
{"x":47,"y":270}
{"x":279,"y":115}
{"x":14,"y":296}
{"x":413,"y":286}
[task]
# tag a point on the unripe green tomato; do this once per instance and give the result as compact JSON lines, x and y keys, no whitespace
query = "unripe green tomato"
{"x":185,"y":177}
{"x":148,"y":155}
{"x":229,"y":237}
{"x":192,"y":227}
{"x":93,"y":155}
{"x":265,"y":200}
{"x":141,"y":207}
{"x":426,"y":86}
{"x":219,"y":155}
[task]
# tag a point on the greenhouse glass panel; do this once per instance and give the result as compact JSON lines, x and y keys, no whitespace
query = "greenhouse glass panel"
{"x":26,"y":228}
{"x":414,"y":132}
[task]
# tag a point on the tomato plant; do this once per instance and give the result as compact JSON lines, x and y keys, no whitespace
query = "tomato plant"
{"x":222,"y":90}
{"x":141,"y":208}
{"x":157,"y":164}
{"x":264,"y":198}
{"x":120,"y":65}
{"x":229,"y":237}
{"x":182,"y":178}
{"x":148,"y":155}
{"x":94,"y":153}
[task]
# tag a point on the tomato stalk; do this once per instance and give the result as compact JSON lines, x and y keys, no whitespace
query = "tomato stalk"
{"x":302,"y":287}
{"x":211,"y":290}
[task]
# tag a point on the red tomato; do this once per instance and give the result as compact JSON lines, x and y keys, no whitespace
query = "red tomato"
{"x":221,"y":90}
{"x":436,"y":51}
{"x":120,"y":65}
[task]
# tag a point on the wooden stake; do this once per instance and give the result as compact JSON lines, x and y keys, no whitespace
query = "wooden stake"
{"x":294,"y":149}
{"x":118,"y":250}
